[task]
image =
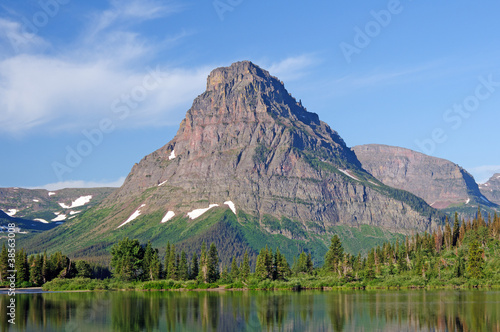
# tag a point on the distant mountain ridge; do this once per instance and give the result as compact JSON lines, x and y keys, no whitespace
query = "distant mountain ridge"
{"x":491,"y":189}
{"x":48,"y":207}
{"x":250,"y":161}
{"x":441,"y":183}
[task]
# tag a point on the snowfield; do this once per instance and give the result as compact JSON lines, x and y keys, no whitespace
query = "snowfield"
{"x":198,"y":212}
{"x":168,"y":216}
{"x":80,"y":201}
{"x":134,"y":215}
{"x":172,"y":155}
{"x":231,"y":206}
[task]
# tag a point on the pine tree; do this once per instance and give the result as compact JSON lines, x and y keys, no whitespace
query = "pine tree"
{"x":448,"y":237}
{"x":245,"y":266}
{"x":22,"y":267}
{"x":235,"y":271}
{"x":194,"y":267}
{"x":36,"y":270}
{"x":183,"y":267}
{"x":203,"y":268}
{"x":172,"y":264}
{"x":475,"y":261}
{"x":459,"y":270}
{"x":146,"y":262}
{"x":4,"y":263}
{"x":212,"y":264}
{"x":260,"y":267}
{"x":456,"y":230}
{"x":334,"y":254}
{"x":167,"y":259}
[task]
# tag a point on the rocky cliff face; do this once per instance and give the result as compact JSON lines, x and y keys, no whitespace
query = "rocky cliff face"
{"x":491,"y":189}
{"x":248,"y":141}
{"x":439,"y":182}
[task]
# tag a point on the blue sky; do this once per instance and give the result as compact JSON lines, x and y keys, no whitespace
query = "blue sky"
{"x":89,"y":88}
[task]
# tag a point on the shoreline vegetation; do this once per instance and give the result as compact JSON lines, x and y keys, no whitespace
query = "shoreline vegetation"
{"x":463,"y":255}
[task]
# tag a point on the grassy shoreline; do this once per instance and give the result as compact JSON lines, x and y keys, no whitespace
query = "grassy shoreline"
{"x":294,"y":284}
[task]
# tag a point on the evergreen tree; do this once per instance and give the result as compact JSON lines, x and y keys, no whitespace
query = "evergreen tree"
{"x":456,"y":230}
{"x":22,"y":267}
{"x":45,"y":268}
{"x":448,"y":237}
{"x":146,"y":262}
{"x":167,"y":259}
{"x":183,"y":267}
{"x":334,"y":254}
{"x":212,"y":264}
{"x":36,"y":270}
{"x":83,"y":269}
{"x":459,"y":270}
{"x":475,"y":261}
{"x":172,"y":264}
{"x":260,"y":267}
{"x":194,"y":267}
{"x":126,"y":260}
{"x":245,"y":266}
{"x":282,"y":267}
{"x":4,"y":263}
{"x":235,"y":271}
{"x":203,"y":267}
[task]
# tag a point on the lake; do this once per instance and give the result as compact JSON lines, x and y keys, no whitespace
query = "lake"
{"x":415,"y":310}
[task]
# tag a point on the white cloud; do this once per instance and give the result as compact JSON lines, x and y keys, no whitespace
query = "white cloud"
{"x":483,"y":173}
{"x":76,"y":88}
{"x":81,"y":184}
{"x":55,"y":94}
{"x":15,"y":39}
{"x":292,"y":68}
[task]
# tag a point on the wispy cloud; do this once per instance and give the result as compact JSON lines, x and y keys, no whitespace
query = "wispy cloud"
{"x":77,"y":87}
{"x":81,"y":184}
{"x":292,"y":68}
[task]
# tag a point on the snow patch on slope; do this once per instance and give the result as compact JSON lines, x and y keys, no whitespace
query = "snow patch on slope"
{"x":172,"y":155}
{"x":168,"y":216}
{"x":80,"y":201}
{"x":74,"y":212}
{"x":349,"y":175}
{"x":12,"y":212}
{"x":51,"y":193}
{"x":231,"y":206}
{"x":60,"y":217}
{"x":161,"y":184}
{"x":41,"y":220}
{"x":468,"y":200}
{"x":198,"y":212}
{"x":36,"y":201}
{"x":134,"y":215}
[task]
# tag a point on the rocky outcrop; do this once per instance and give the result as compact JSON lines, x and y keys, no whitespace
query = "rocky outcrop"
{"x":491,"y":189}
{"x":248,"y":141}
{"x":439,"y":182}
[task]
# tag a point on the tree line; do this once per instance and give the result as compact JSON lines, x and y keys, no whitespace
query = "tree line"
{"x":462,"y":250}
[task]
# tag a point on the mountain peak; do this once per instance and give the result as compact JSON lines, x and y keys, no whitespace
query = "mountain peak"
{"x":241,"y":71}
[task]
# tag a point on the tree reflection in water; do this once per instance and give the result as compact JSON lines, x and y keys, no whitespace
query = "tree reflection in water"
{"x":447,"y":310}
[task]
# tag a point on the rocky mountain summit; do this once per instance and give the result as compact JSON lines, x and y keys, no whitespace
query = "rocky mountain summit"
{"x":248,"y":141}
{"x":491,"y":189}
{"x":251,"y":156}
{"x":439,"y":182}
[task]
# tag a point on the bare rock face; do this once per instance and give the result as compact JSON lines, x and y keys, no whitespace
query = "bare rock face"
{"x":247,"y":140}
{"x":491,"y":189}
{"x":439,"y":182}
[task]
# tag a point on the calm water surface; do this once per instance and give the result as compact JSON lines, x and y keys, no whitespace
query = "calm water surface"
{"x":445,"y":310}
